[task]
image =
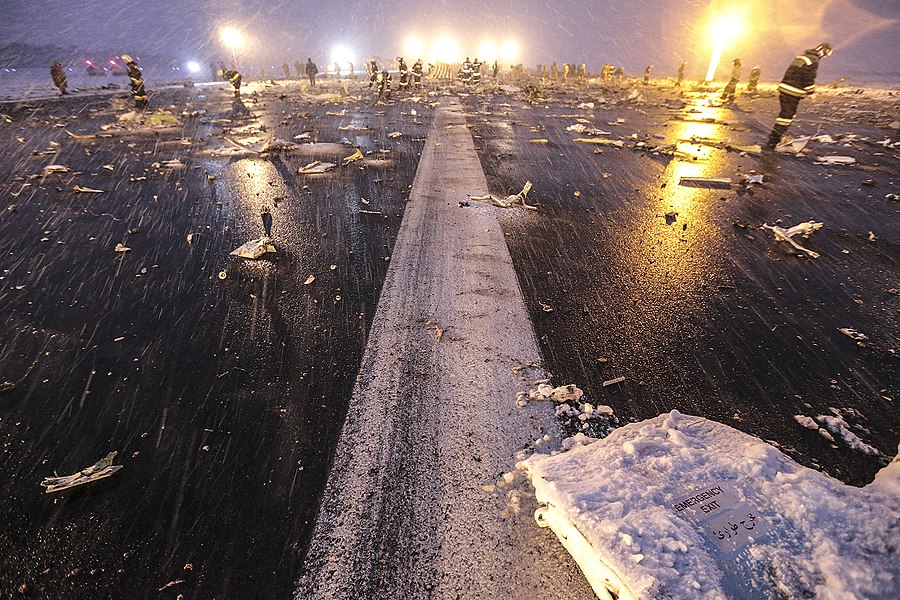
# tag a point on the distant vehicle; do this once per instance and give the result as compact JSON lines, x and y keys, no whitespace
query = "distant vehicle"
{"x":94,"y":70}
{"x":117,"y":68}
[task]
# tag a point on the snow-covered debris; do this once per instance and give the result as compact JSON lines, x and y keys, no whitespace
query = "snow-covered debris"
{"x":838,"y":427}
{"x":562,"y":393}
{"x":683,"y":507}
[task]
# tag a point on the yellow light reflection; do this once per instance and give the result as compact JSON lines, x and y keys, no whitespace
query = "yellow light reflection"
{"x":673,"y":259}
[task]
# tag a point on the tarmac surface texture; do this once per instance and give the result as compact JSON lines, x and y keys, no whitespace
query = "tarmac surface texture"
{"x":224,"y":383}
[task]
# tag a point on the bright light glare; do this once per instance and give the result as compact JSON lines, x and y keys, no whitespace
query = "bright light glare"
{"x":446,"y":49}
{"x":721,"y":32}
{"x":413,"y":48}
{"x":193,"y":67}
{"x":487,"y":51}
{"x":343,"y":56}
{"x":509,"y":53}
{"x":232,"y":38}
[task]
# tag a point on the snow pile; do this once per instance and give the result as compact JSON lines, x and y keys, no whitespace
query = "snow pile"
{"x":683,"y":507}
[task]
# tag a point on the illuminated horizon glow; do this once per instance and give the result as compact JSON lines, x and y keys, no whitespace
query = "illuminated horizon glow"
{"x":343,"y":56}
{"x":232,"y":38}
{"x":721,"y":32}
{"x":509,"y":53}
{"x":446,"y":49}
{"x":487,"y":51}
{"x":413,"y":48}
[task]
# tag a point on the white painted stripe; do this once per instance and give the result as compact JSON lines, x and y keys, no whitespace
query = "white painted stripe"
{"x":432,"y":422}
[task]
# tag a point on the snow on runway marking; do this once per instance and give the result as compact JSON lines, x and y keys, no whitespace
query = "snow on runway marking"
{"x":432,"y":420}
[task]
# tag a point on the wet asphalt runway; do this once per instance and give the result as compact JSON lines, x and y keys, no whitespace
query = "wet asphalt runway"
{"x":225,"y":397}
{"x":704,"y":313}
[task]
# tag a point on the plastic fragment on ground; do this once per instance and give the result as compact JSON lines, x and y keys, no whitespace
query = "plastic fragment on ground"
{"x":121,"y":248}
{"x":601,"y":142}
{"x":162,"y":119}
{"x":358,"y":155}
{"x":173,"y":164}
{"x":309,"y":280}
{"x":802,"y":229}
{"x":394,"y":135}
{"x":614,"y":381}
{"x":790,"y":145}
{"x":582,"y":128}
{"x":853,"y":334}
{"x":279,"y":145}
{"x":539,"y":141}
{"x":752,"y":178}
{"x":51,"y":169}
{"x":77,"y":136}
{"x":586,"y":106}
{"x":835,"y":160}
{"x":100,"y":470}
{"x":753,"y":149}
{"x":707,"y":182}
{"x":7,"y":386}
{"x":86,"y":190}
{"x":316,"y":167}
{"x":255,"y":248}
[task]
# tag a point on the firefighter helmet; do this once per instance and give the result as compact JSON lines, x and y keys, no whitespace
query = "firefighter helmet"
{"x":824,"y":50}
{"x":127,"y":58}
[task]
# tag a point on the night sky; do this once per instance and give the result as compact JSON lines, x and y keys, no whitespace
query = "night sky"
{"x":865,"y":33}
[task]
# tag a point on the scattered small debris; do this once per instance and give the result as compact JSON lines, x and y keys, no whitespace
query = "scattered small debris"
{"x":121,"y":248}
{"x":309,"y":280}
{"x":7,"y":386}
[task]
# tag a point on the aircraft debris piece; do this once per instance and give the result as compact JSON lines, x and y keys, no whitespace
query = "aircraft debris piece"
{"x":706,"y":182}
{"x":100,"y":470}
{"x":255,"y":248}
{"x":510,"y":201}
{"x":802,"y":229}
{"x":86,"y":190}
{"x":316,"y":167}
